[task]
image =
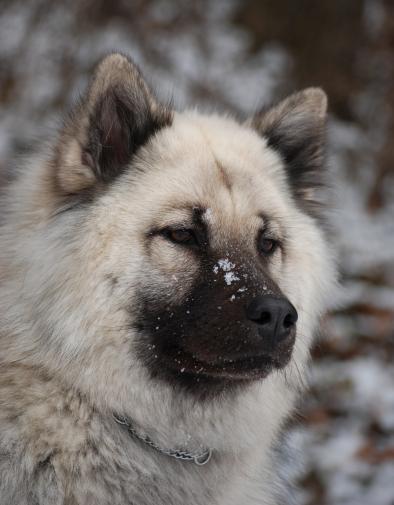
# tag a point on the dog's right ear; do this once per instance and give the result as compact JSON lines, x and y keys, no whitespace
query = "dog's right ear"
{"x":116,"y":116}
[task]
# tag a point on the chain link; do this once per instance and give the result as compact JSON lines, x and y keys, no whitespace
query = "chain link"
{"x":199,"y":458}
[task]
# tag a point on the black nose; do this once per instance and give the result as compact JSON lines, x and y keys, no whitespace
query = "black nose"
{"x":275,"y":316}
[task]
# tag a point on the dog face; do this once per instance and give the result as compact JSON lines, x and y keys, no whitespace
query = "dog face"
{"x":209,"y":301}
{"x":229,"y":258}
{"x":180,"y":247}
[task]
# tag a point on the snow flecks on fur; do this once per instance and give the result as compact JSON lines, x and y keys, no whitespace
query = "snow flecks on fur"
{"x":230,"y":277}
{"x":228,"y":268}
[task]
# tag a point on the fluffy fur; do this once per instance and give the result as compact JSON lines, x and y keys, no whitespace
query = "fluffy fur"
{"x":78,"y":253}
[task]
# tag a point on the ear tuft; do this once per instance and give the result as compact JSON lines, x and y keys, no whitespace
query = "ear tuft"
{"x":116,"y":116}
{"x":295,"y":128}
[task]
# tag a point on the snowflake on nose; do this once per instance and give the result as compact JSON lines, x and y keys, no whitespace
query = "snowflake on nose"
{"x":227,"y":266}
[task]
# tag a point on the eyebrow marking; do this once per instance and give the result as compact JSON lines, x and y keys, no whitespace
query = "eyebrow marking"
{"x":192,"y":215}
{"x":198,"y":216}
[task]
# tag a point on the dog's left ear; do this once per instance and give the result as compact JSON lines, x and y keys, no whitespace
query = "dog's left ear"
{"x":116,"y":116}
{"x":295,"y":128}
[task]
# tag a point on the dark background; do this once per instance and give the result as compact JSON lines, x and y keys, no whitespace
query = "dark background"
{"x":236,"y":55}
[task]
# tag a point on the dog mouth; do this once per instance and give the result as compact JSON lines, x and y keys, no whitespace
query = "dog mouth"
{"x":249,"y":367}
{"x":252,"y":367}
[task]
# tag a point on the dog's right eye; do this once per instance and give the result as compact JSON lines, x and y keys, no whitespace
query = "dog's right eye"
{"x":181,"y":236}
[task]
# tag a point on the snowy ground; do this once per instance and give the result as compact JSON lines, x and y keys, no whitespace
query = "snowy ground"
{"x":345,"y":429}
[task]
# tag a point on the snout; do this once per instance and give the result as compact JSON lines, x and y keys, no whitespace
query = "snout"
{"x":223,"y":332}
{"x":270,"y":322}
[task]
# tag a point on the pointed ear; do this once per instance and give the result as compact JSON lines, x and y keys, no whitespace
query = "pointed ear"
{"x":116,"y":116}
{"x":295,"y":128}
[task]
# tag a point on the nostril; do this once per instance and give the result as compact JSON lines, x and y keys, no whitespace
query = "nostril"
{"x":288,"y":321}
{"x":290,"y":318}
{"x":264,"y":318}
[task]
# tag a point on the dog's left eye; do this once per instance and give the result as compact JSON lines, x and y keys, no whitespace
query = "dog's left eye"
{"x":181,"y":236}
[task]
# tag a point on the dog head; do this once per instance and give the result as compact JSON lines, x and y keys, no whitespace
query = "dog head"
{"x":178,"y":249}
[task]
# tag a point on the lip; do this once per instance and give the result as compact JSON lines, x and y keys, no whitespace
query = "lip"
{"x":251,"y":367}
{"x":247,"y":368}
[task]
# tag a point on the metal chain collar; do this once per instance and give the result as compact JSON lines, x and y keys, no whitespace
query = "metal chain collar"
{"x":199,"y":458}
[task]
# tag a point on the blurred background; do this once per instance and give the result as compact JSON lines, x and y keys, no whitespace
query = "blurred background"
{"x":235,"y":55}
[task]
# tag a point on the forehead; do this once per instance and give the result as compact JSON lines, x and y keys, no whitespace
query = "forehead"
{"x":214,"y":163}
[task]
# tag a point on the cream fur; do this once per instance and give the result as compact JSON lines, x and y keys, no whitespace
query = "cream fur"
{"x":65,"y":361}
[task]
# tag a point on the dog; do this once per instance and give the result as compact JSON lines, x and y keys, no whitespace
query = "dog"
{"x":162,"y":275}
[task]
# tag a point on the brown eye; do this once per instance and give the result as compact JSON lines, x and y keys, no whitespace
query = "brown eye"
{"x":181,"y":236}
{"x":267,"y":246}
